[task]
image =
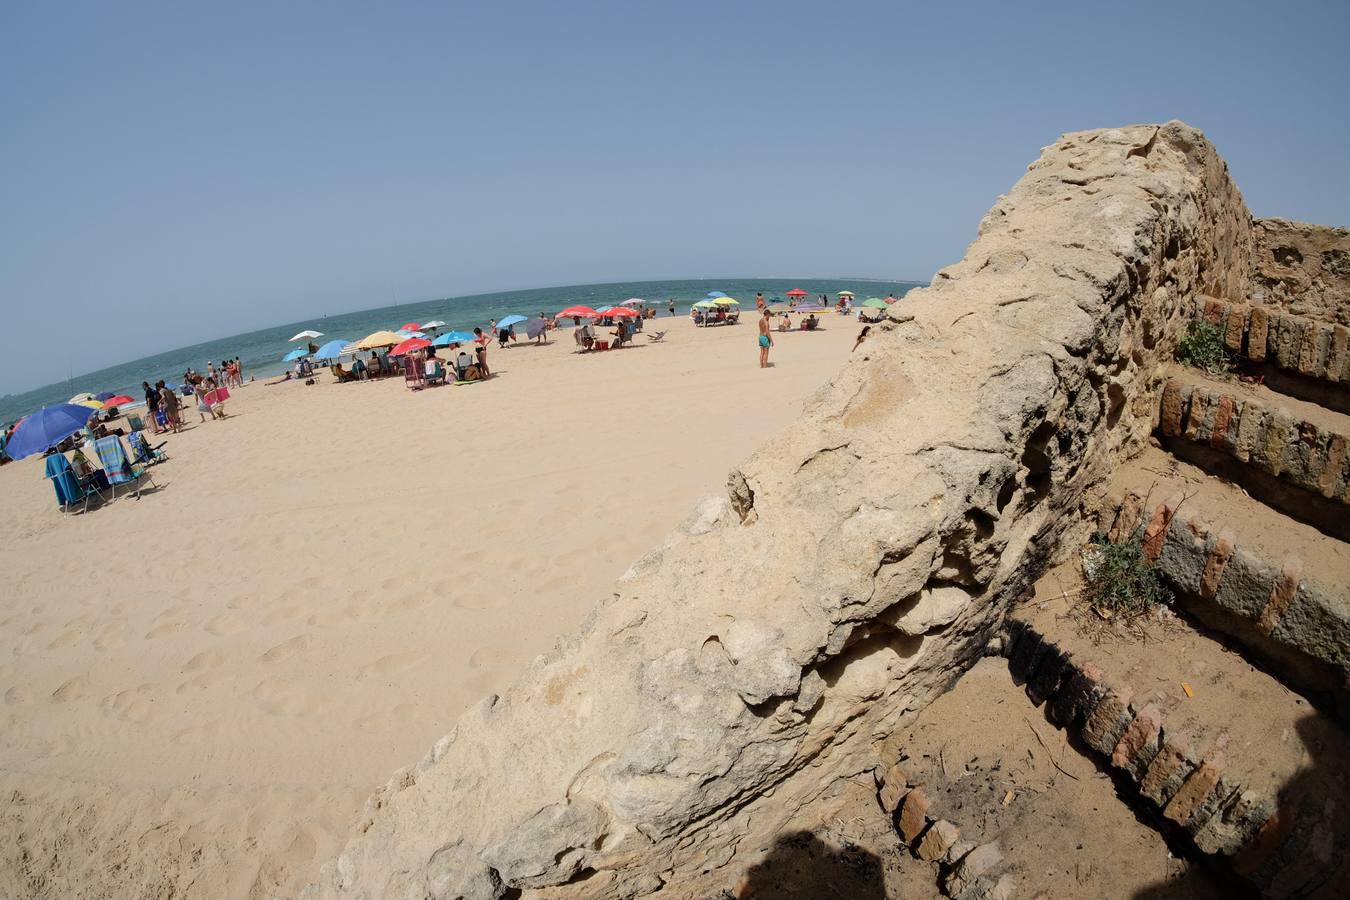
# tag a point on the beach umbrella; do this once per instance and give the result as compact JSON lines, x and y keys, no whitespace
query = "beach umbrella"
{"x":578,"y":312}
{"x":435,"y":323}
{"x":727,"y":301}
{"x":332,"y":349}
{"x":510,"y":320}
{"x":49,"y":425}
{"x":618,"y":312}
{"x":890,"y":298}
{"x":404,"y":335}
{"x":379,"y":339}
{"x":410,"y":326}
{"x":453,"y":337}
{"x":713,"y":295}
{"x":307,"y":334}
{"x":118,"y":400}
{"x":409,"y":346}
{"x":874,"y":303}
{"x":633,"y":301}
{"x":88,"y":404}
{"x":845,"y":293}
{"x":796,"y":292}
{"x":705,"y":304}
{"x":104,"y":395}
{"x":535,"y":327}
{"x":295,"y":354}
{"x":78,"y":397}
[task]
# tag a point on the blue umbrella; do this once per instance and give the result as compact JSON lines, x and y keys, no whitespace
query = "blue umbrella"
{"x":295,"y":354}
{"x":713,"y":295}
{"x":510,"y":320}
{"x":452,"y":337}
{"x":104,"y":395}
{"x":49,"y":425}
{"x":332,"y":349}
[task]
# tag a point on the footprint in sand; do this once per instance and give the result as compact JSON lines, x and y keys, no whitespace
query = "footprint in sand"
{"x":281,"y":614}
{"x":409,"y":601}
{"x":66,"y":638}
{"x":223,"y":626}
{"x":73,"y":689}
{"x":392,"y":663}
{"x":199,"y":734}
{"x":486,"y":658}
{"x":279,"y":698}
{"x":242,"y":601}
{"x":132,"y":705}
{"x":286,"y":649}
{"x":160,"y":631}
{"x":209,"y":659}
{"x":480,"y":600}
{"x":110,"y":638}
{"x":18,"y":695}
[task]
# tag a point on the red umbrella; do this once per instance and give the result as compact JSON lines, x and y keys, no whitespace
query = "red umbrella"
{"x":119,"y":400}
{"x":578,"y":312}
{"x":409,"y":346}
{"x":410,"y":326}
{"x":795,"y":292}
{"x":615,"y":312}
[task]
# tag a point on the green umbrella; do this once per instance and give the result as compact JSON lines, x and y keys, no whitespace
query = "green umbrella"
{"x":874,"y":303}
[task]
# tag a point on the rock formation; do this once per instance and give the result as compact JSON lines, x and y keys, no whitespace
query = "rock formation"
{"x":859,"y":563}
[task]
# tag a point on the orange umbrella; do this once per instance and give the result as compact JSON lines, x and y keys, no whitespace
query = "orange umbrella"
{"x":119,"y":400}
{"x":578,"y":311}
{"x":409,"y":346}
{"x":615,"y":312}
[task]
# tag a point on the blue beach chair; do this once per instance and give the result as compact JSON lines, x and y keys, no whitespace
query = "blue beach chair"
{"x":142,"y":454}
{"x":69,"y":490}
{"x":113,"y":457}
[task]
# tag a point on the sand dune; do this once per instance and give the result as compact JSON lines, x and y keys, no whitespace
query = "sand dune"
{"x":201,"y":687}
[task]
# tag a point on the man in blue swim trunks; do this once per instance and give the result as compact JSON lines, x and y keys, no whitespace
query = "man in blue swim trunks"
{"x":765,"y":338}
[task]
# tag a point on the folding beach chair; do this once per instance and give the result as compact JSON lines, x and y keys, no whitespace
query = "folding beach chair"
{"x":113,"y":457}
{"x":135,"y":422}
{"x":142,"y":454}
{"x":69,"y":489}
{"x":657,"y":338}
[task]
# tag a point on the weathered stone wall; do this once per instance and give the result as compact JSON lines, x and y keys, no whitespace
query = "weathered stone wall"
{"x":1302,"y":268}
{"x":861,"y":560}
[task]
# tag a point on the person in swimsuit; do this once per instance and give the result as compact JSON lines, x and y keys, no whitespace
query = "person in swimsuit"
{"x":482,"y":341}
{"x":765,"y":338}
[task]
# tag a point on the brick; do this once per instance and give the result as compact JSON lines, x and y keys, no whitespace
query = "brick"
{"x":1202,"y":782}
{"x":1288,"y":339}
{"x":1322,"y":349}
{"x":1338,"y":354}
{"x":1013,"y":631}
{"x":1286,"y":586}
{"x":1233,"y":826}
{"x":1156,"y":532}
{"x":1026,"y":655}
{"x":1139,"y":744}
{"x":1251,"y":429}
{"x":938,"y":840}
{"x":1198,"y":414}
{"x":1235,"y":328}
{"x":1223,"y":417}
{"x":1127,"y":517}
{"x":974,"y":864}
{"x":1316,"y":623}
{"x":894,"y":786}
{"x":1269,"y":838}
{"x":1168,"y":771}
{"x":1246,"y":584}
{"x":913,"y":814}
{"x":1213,"y":804}
{"x":1183,"y":554}
{"x":1107,"y":721}
{"x":1212,"y":311}
{"x":1307,"y":348}
{"x":1172,"y":407}
{"x":1333,"y":472}
{"x":1269,"y":455}
{"x":1081,"y":691}
{"x":1258,"y":324}
{"x":1049,"y":673}
{"x":1216,"y":563}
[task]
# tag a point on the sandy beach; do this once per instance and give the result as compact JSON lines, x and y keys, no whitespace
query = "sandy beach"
{"x":201,"y":687}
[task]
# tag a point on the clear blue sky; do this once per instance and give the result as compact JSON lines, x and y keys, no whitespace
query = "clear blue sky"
{"x":174,"y":172}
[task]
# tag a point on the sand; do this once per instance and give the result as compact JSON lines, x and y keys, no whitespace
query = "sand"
{"x":201,"y":687}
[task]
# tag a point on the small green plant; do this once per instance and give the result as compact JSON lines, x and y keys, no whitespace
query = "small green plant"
{"x":1121,"y":582}
{"x":1203,"y":348}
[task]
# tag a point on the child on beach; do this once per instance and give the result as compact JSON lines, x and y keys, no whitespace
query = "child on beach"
{"x":765,"y":338}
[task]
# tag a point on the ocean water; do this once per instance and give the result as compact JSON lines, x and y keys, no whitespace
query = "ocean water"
{"x":261,"y":351}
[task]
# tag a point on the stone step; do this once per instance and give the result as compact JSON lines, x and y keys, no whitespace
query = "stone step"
{"x":1292,"y":455}
{"x":1279,"y":587}
{"x":1296,"y":355}
{"x":1252,"y":787}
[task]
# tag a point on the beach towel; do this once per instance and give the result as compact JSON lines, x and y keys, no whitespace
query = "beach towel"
{"x":63,"y":478}
{"x":113,"y":458}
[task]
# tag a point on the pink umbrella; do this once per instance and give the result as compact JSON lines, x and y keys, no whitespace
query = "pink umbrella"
{"x":409,"y":346}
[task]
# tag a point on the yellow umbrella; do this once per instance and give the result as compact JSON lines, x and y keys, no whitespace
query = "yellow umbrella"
{"x":92,"y":404}
{"x":378,"y":339}
{"x":727,"y":301}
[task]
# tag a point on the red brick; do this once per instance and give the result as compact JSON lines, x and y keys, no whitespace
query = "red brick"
{"x":1197,"y":789}
{"x":1139,"y":744}
{"x":1236,"y":328}
{"x":1214,"y":566}
{"x":1264,"y":844}
{"x":1172,"y":408}
{"x":1156,"y":532}
{"x":1223,"y":416}
{"x":1286,"y":586}
{"x":1212,"y":311}
{"x":1168,"y":770}
{"x":1127,"y":517}
{"x":1258,"y":331}
{"x":913,"y":814}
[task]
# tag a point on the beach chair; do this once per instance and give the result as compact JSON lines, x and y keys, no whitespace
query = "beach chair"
{"x":657,"y":338}
{"x":134,"y":421}
{"x":142,"y":454}
{"x":113,"y":457}
{"x":436,"y":373}
{"x":69,"y":489}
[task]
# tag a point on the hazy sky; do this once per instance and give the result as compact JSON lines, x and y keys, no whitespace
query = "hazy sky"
{"x":170,"y":173}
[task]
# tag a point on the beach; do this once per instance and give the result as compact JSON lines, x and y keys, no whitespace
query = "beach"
{"x":201,"y":687}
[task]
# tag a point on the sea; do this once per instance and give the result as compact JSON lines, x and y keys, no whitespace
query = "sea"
{"x":261,"y":351}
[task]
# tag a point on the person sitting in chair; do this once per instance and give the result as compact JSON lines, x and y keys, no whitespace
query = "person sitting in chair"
{"x":620,"y":334}
{"x":359,"y":369}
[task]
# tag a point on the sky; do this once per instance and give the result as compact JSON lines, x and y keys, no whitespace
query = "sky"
{"x":172,"y":173}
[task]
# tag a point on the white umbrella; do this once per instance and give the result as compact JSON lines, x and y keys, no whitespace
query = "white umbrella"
{"x":307,"y":334}
{"x":633,"y":301}
{"x":80,"y":398}
{"x":436,"y":323}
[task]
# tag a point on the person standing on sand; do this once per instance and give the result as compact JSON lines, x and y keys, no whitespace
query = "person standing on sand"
{"x":671,"y":307}
{"x":481,"y":350}
{"x":765,"y":338}
{"x":759,"y":301}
